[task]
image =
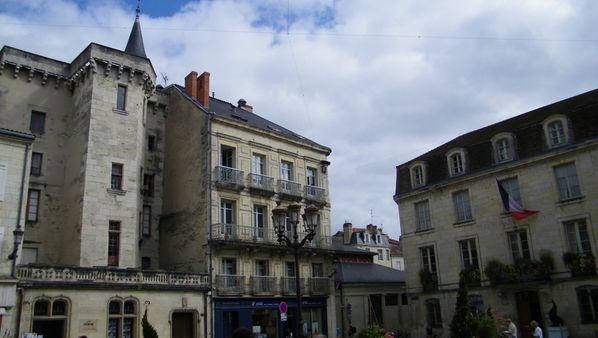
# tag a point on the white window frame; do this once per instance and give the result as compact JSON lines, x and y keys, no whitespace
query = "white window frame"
{"x":504,"y":147}
{"x":428,"y":258}
{"x":418,"y":174}
{"x":423,"y":218}
{"x":224,"y":209}
{"x":469,"y":253}
{"x":258,"y":164}
{"x":228,"y":160}
{"x":311,"y":176}
{"x":567,"y":181}
{"x":562,"y":137}
{"x":576,"y":241}
{"x":462,"y":206}
{"x":260,"y":221}
{"x":286,"y":171}
{"x":457,"y":162}
{"x":516,"y":244}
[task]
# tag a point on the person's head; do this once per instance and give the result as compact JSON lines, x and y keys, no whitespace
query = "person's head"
{"x":242,"y":332}
{"x":534,"y":324}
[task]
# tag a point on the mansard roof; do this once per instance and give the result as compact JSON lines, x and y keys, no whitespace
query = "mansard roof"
{"x":367,"y":273}
{"x":582,"y":115}
{"x":229,"y":111}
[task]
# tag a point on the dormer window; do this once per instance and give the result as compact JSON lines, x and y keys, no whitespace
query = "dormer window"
{"x":456,"y":162}
{"x":504,"y":149}
{"x":556,"y":132}
{"x":418,"y":175}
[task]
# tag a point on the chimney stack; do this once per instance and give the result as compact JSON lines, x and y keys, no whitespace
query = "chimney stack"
{"x":203,"y":89}
{"x":243,"y":105}
{"x":191,"y":84}
{"x":347,"y":231}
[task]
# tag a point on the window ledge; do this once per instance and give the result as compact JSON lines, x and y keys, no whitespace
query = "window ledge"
{"x":119,"y":111}
{"x":465,"y":222}
{"x":420,"y":231}
{"x":573,"y":200}
{"x":119,"y":192}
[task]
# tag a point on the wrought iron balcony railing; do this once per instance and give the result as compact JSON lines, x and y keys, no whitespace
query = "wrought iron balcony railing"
{"x":111,"y":276}
{"x":289,"y":188}
{"x":314,"y":193}
{"x":230,"y":284}
{"x":319,"y":285}
{"x":261,"y":182}
{"x":288,"y":285}
{"x":261,"y":285}
{"x":229,"y":177}
{"x":261,"y":235}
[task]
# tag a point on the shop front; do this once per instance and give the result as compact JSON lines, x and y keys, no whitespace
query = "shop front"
{"x":264,"y":318}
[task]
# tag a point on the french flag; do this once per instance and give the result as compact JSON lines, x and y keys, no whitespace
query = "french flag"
{"x":511,"y":206}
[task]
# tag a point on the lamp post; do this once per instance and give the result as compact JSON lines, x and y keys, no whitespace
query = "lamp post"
{"x":18,"y":237}
{"x":289,"y":216}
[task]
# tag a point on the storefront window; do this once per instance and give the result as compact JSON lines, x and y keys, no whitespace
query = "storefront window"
{"x":263,"y":323}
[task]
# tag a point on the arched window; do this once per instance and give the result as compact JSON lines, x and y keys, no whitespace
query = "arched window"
{"x":50,"y":316}
{"x":122,"y":318}
{"x":456,"y":162}
{"x":418,"y":175}
{"x":556,"y":131}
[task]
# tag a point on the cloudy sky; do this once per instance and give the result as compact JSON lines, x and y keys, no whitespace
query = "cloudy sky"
{"x":378,"y":81}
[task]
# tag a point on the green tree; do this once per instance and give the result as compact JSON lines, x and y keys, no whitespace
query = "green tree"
{"x":463,"y":324}
{"x":148,"y":329}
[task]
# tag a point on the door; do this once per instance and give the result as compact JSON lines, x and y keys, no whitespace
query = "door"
{"x":182,"y":325}
{"x":528,"y":309}
{"x":230,"y":321}
{"x":49,"y":328}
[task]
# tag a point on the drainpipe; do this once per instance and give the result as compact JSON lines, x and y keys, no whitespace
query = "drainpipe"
{"x":19,"y":311}
{"x":209,"y":225}
{"x":21,"y":193}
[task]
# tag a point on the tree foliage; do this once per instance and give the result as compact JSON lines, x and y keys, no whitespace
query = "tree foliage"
{"x":463,"y":323}
{"x":148,"y":329}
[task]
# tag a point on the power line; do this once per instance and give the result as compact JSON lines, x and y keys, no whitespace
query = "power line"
{"x":321,"y":33}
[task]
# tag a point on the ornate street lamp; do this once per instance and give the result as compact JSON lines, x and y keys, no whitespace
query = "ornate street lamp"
{"x":18,"y":238}
{"x":289,"y":216}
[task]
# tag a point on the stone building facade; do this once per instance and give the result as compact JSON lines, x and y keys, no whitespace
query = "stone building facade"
{"x":143,"y":202}
{"x":90,"y":262}
{"x":453,"y":220}
{"x":218,"y":217}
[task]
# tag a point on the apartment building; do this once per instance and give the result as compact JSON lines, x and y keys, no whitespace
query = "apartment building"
{"x":90,"y":262}
{"x":371,"y":238}
{"x":226,"y":170}
{"x":522,"y":257}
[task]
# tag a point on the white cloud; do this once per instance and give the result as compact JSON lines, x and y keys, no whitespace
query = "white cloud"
{"x":380,"y":82}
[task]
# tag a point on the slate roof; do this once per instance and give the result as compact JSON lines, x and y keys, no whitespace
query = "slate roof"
{"x":229,"y":111}
{"x":348,"y":273}
{"x":135,"y":44}
{"x":16,"y":134}
{"x":581,"y":111}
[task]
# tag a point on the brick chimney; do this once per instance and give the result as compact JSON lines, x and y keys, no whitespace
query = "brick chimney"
{"x":243,"y":105}
{"x":347,"y":231}
{"x":191,"y":84}
{"x":203,"y":89}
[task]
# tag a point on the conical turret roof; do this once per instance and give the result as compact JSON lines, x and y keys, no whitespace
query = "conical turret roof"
{"x":135,"y":43}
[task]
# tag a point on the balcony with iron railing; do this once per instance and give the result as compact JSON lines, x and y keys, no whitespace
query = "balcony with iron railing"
{"x":319,"y":285}
{"x":226,"y":177}
{"x":289,"y":189}
{"x":260,"y":235}
{"x":111,"y":276}
{"x":230,"y":284}
{"x":288,"y":285}
{"x":263,"y":285}
{"x":315,"y":194}
{"x":261,"y":184}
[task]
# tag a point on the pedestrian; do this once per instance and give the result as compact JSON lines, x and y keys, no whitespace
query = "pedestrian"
{"x":537,"y":330}
{"x":352,"y":331}
{"x":511,"y":331}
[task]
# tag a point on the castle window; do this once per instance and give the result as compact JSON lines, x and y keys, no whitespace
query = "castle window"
{"x":422,"y":215}
{"x":462,"y":206}
{"x":113,"y":242}
{"x":50,"y":317}
{"x":37,"y":125}
{"x":151,"y":143}
{"x":121,"y":98}
{"x":556,"y":131}
{"x":567,"y":182}
{"x":433,"y":316}
{"x":116,"y":177}
{"x":36,"y":164}
{"x":33,"y":205}
{"x":146,"y":221}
